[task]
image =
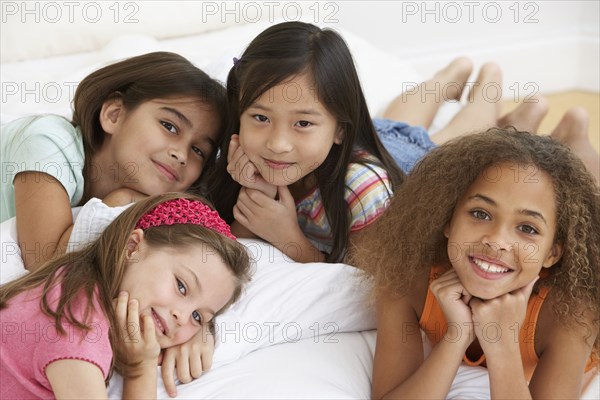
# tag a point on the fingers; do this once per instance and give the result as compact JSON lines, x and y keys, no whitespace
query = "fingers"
{"x":234,"y":144}
{"x":168,"y":367}
{"x":207,"y":354}
{"x":448,"y":286}
{"x":133,"y":319}
{"x":188,"y":361}
{"x":253,"y":199}
{"x":120,"y":304}
{"x":239,"y":166}
{"x":285,"y":196}
{"x":149,"y":331}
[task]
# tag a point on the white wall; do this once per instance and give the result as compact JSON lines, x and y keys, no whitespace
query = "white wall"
{"x":543,"y":46}
{"x":553,"y":45}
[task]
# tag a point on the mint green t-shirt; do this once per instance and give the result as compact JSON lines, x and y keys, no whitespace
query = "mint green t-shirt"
{"x":48,"y":144}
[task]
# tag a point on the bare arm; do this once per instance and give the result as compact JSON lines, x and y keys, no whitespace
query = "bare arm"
{"x":560,"y":370}
{"x":76,"y":379}
{"x":44,"y":217}
{"x":399,"y":370}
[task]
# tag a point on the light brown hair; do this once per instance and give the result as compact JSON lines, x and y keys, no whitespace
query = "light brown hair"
{"x":100,"y":266}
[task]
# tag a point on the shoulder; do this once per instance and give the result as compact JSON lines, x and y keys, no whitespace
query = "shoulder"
{"x":51,"y":128}
{"x":553,"y":329}
{"x":365,"y":165}
{"x":368,"y":191}
{"x":91,"y":345}
{"x":366,"y":175}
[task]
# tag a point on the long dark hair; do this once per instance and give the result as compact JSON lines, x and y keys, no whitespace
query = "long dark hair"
{"x":286,"y":50}
{"x":135,"y":81}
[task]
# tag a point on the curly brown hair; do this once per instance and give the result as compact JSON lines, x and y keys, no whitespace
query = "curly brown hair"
{"x":409,"y":239}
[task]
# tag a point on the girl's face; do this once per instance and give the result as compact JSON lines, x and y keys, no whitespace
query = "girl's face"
{"x":287,"y":132}
{"x":502,"y":231}
{"x":161,"y":145}
{"x":181,"y":288}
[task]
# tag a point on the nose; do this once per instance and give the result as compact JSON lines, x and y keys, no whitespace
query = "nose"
{"x":181,"y":318}
{"x":497,"y":238}
{"x":178,"y":154}
{"x":279,"y":141}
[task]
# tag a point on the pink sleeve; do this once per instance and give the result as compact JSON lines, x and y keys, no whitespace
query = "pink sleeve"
{"x":76,"y":344}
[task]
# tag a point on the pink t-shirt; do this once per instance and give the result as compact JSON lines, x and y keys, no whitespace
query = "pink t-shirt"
{"x":30,"y":342}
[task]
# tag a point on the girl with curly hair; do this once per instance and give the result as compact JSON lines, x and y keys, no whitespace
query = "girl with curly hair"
{"x":491,"y":247}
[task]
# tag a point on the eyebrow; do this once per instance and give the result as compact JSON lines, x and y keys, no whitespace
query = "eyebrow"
{"x":182,"y":118}
{"x":305,"y":111}
{"x":199,"y":286}
{"x":531,"y":213}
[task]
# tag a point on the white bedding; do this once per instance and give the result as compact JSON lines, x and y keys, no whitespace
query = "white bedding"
{"x":299,"y":331}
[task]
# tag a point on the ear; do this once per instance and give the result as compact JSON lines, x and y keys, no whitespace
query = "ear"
{"x":339,"y":136}
{"x":555,"y":254}
{"x":111,"y":113}
{"x":447,"y":230}
{"x":133,"y":243}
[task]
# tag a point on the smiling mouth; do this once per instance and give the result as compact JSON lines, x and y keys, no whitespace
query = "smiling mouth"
{"x":277,"y":164}
{"x":159,"y":323}
{"x":166,"y":171}
{"x":489,"y":267}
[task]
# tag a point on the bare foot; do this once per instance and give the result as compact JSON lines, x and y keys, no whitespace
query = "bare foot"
{"x":572,"y":130}
{"x":527,"y":116}
{"x":453,"y":77}
{"x":487,"y":88}
{"x":419,"y":104}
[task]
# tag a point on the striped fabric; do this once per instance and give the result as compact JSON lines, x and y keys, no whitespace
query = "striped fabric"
{"x":368,"y":193}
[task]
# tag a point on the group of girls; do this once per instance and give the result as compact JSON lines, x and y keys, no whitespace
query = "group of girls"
{"x":463,"y":230}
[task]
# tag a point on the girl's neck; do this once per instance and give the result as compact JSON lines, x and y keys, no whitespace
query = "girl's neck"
{"x":103,"y":174}
{"x":302,"y":187}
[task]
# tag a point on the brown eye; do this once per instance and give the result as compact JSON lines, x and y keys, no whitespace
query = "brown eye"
{"x":260,"y":118}
{"x":304,"y":124}
{"x":169,"y":126}
{"x":479,"y":214}
{"x":530,"y":230}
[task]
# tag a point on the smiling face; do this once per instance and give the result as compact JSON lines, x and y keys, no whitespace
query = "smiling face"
{"x":181,"y":288}
{"x":161,"y":145}
{"x":287,"y":132}
{"x":502,"y":231}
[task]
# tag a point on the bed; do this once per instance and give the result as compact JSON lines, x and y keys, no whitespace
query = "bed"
{"x":300,"y":331}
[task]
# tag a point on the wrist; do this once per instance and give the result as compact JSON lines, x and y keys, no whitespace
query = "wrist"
{"x":461,"y":335}
{"x":141,"y":369}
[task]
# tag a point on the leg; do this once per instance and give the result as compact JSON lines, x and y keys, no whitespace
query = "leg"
{"x":527,"y":116}
{"x":419,"y":105}
{"x":572,"y":130}
{"x":482,"y":108}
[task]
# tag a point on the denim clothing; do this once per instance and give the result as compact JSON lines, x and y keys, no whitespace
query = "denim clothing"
{"x":406,"y":144}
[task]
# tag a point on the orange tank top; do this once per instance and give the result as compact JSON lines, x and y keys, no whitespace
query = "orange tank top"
{"x":433,"y":323}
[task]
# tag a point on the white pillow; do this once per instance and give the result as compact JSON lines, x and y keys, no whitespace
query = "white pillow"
{"x":285,"y":302}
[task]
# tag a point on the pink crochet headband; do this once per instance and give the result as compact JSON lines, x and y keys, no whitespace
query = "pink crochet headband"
{"x":184,"y":211}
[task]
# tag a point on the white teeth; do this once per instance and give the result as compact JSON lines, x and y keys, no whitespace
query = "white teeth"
{"x":158,"y":323}
{"x":491,"y":268}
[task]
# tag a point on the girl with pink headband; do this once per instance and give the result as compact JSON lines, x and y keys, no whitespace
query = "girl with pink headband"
{"x":158,"y":274}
